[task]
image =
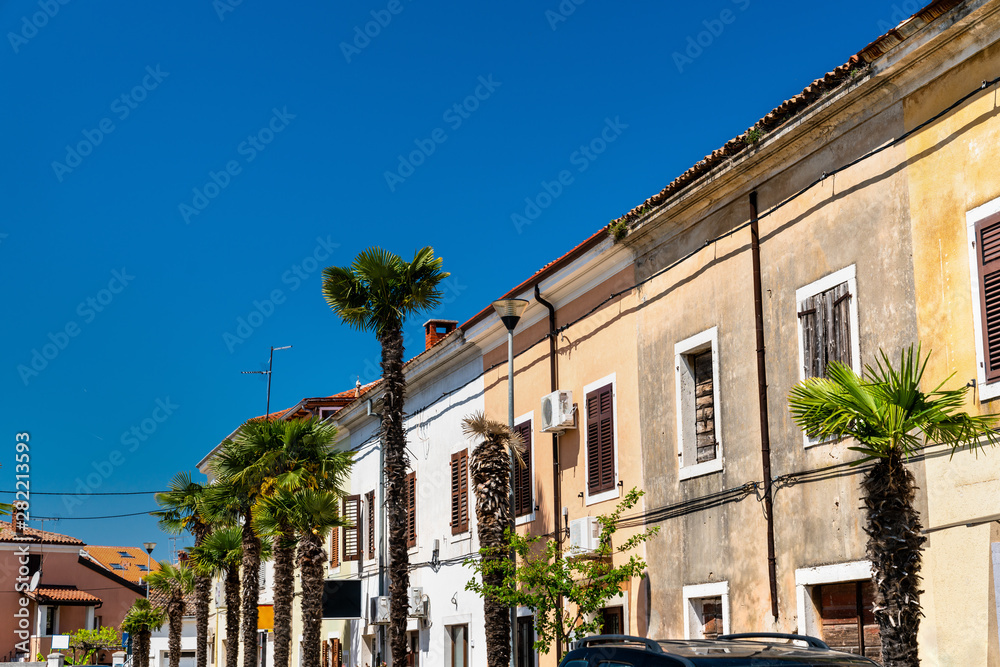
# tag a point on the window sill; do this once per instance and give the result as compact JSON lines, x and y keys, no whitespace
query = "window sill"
{"x":988,"y":390}
{"x":611,"y":494}
{"x":523,"y":519}
{"x":464,"y":536}
{"x":700,"y":469}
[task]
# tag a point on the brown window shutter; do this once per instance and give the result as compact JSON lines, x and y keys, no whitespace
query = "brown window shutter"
{"x":807,"y":318}
{"x":600,"y":440}
{"x":988,"y":256}
{"x":352,"y":534}
{"x":370,"y":501}
{"x":460,"y":492}
{"x":410,"y":490}
{"x":334,"y":547}
{"x":523,"y":501}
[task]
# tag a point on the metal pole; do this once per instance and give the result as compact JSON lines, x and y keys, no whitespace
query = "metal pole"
{"x":270,"y":361}
{"x":148,"y":554}
{"x":510,"y":423}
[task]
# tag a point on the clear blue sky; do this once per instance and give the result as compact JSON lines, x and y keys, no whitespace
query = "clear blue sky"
{"x":169,"y":166}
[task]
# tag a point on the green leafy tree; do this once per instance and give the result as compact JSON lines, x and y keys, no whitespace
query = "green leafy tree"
{"x":140,"y":621}
{"x":92,"y":641}
{"x":174,"y":582}
{"x":890,"y":419}
{"x":587,"y":582}
{"x":184,"y":510}
{"x":220,"y":554}
{"x":376,"y":293}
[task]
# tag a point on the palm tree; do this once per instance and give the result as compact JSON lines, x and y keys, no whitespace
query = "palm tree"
{"x":312,"y":513}
{"x":890,"y":419}
{"x":140,"y":620}
{"x":174,"y":582}
{"x":376,"y":293}
{"x":490,"y":467}
{"x":183,"y":510}
{"x":219,"y":554}
{"x":299,"y":455}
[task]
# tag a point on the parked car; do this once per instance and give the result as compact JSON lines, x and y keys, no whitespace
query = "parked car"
{"x":757,"y":649}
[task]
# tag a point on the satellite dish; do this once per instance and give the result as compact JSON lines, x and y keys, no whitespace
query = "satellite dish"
{"x":34,"y":581}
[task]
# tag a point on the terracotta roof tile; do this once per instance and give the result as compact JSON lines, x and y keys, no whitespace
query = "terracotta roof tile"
{"x":62,"y":594}
{"x":130,"y":568}
{"x":33,"y":535}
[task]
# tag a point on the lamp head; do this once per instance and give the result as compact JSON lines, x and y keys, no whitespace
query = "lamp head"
{"x":510,"y":311}
{"x":149,"y":546}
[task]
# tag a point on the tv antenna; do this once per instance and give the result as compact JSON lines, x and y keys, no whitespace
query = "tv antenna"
{"x":270,"y":362}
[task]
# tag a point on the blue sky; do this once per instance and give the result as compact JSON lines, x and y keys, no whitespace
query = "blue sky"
{"x":175,"y":169}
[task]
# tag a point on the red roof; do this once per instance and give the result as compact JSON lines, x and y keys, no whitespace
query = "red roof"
{"x":33,"y":535}
{"x":63,"y":595}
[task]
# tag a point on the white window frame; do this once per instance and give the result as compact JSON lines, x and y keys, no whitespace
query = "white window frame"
{"x":848,"y":275}
{"x":807,"y":577}
{"x":700,"y":342}
{"x":613,"y":493}
{"x":990,"y":390}
{"x":695,"y":592}
{"x":527,"y":518}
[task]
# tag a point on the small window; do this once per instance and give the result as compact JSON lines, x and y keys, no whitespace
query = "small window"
{"x":828,"y":323}
{"x":699,"y":447}
{"x":706,"y":610}
{"x":460,"y":492}
{"x":410,"y":499}
{"x":600,"y":440}
{"x":613,"y":621}
{"x":51,"y":620}
{"x":526,"y":641}
{"x":352,"y":533}
{"x":142,"y":568}
{"x":125,"y":554}
{"x":117,"y":566}
{"x":844,"y":611}
{"x":524,"y":502}
{"x":262,"y":577}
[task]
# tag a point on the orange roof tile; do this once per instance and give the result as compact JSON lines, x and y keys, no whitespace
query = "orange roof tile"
{"x":33,"y":535}
{"x":63,"y":595}
{"x":130,"y":567}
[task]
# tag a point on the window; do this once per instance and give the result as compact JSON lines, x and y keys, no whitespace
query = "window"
{"x":600,"y":434}
{"x":699,"y":443}
{"x":370,"y":502}
{"x":706,"y":610}
{"x":460,"y":492}
{"x":835,"y":603}
{"x":352,"y":533}
{"x":828,"y":323}
{"x":526,"y":641}
{"x":524,"y":502}
{"x":125,"y":554}
{"x":142,"y":568}
{"x":458,"y":645}
{"x":117,"y":566}
{"x":613,"y":621}
{"x":410,"y":502}
{"x":983,"y":225}
{"x":51,"y":616}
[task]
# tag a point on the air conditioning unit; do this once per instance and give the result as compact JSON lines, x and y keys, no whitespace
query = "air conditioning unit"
{"x":418,"y":605}
{"x":584,"y":536}
{"x":558,"y":413}
{"x":379,"y":610}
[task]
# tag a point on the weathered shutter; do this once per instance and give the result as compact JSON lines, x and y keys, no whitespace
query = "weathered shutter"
{"x":352,"y":534}
{"x":335,"y":547}
{"x":325,"y":657}
{"x":988,"y":254}
{"x":460,"y":492}
{"x":600,"y":441}
{"x":839,"y":346}
{"x":704,"y":406}
{"x":523,"y":501}
{"x":410,"y":489}
{"x":807,"y":319}
{"x":370,"y":501}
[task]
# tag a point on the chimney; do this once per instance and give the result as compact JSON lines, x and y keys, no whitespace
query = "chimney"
{"x":435,"y":330}
{"x":15,"y":525}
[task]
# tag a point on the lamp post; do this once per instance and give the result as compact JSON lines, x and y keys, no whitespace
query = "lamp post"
{"x":510,"y":311}
{"x":148,"y":546}
{"x":270,"y":361}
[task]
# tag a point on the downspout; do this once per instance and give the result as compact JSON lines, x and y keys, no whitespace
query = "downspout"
{"x":556,"y":486}
{"x":765,"y":438}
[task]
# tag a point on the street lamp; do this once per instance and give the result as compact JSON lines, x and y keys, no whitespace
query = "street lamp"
{"x":510,"y":311}
{"x":270,"y":361}
{"x":148,"y":546}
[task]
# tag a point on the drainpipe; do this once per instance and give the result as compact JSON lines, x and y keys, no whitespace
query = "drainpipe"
{"x":765,"y":438}
{"x":556,"y":486}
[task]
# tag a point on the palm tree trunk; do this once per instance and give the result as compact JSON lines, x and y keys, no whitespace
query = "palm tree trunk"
{"x":175,"y":616}
{"x":491,"y":482}
{"x":251,"y":591}
{"x":232,"y":585}
{"x":202,"y":589}
{"x":140,"y":655}
{"x":284,"y":589}
{"x":396,"y":463}
{"x":894,"y":543}
{"x":311,"y":560}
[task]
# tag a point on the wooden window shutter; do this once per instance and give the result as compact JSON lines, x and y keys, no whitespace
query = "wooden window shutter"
{"x":839,"y":322}
{"x":988,"y":256}
{"x":826,"y":329}
{"x":523,"y":501}
{"x":352,"y":534}
{"x":600,"y":440}
{"x":460,"y":492}
{"x":370,"y":501}
{"x":334,"y":547}
{"x":808,"y":319}
{"x":410,"y":491}
{"x":325,"y":657}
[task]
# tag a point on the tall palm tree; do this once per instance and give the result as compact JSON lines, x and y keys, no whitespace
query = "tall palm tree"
{"x":183,"y":510}
{"x":299,"y":456}
{"x":490,"y":467}
{"x":376,"y":293}
{"x":219,"y":554}
{"x":890,"y":419}
{"x":139,"y":622}
{"x":174,"y":582}
{"x":312,"y":513}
